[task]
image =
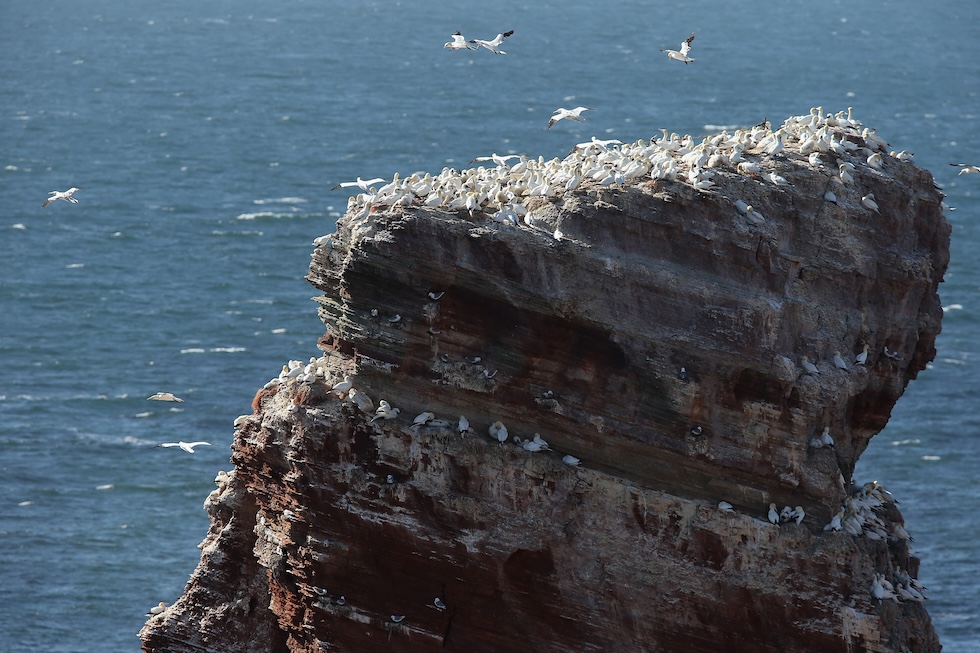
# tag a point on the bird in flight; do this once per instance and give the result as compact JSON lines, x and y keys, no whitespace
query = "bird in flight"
{"x":965,"y":169}
{"x":363,"y":184}
{"x":572,"y":114}
{"x":459,"y":43}
{"x":494,"y":45}
{"x":681,"y":55}
{"x":165,"y":396}
{"x":186,"y":446}
{"x":62,"y":195}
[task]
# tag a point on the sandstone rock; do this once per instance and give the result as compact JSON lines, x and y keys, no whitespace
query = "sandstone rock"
{"x":576,"y":324}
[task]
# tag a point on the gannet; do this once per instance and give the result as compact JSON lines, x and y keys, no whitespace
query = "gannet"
{"x":62,"y":195}
{"x":363,"y":184}
{"x":186,"y":446}
{"x":385,"y":411}
{"x":395,"y":318}
{"x":165,"y":396}
{"x":493,"y":45}
{"x":868,"y":201}
{"x":397,"y":618}
{"x":439,"y":605}
{"x":571,"y":114}
{"x":875,"y":161}
{"x":682,"y":54}
{"x":436,"y":296}
{"x":464,"y":425}
{"x":157,"y":609}
{"x":724,"y":505}
{"x":845,"y":174}
{"x":809,"y":367}
{"x":422,"y":418}
{"x":862,"y":358}
{"x":571,"y":460}
{"x":839,"y":362}
{"x":830,"y":197}
{"x":496,"y":158}
{"x":342,"y":386}
{"x":798,"y":514}
{"x":825,"y":438}
{"x":773,"y":514}
{"x":682,"y":374}
{"x":965,"y":169}
{"x":498,"y":431}
{"x":459,"y":43}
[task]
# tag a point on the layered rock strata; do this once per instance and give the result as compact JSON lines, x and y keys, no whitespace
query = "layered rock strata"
{"x":645,"y":309}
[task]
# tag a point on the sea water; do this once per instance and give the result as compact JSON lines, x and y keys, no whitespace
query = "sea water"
{"x":205,"y":137}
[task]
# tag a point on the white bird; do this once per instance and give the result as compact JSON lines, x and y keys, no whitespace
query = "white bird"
{"x":464,"y":425}
{"x":681,"y":55}
{"x":157,"y":609}
{"x":459,"y":43}
{"x":397,"y":618}
{"x":62,"y":195}
{"x":571,"y":114}
{"x":724,"y":505}
{"x":165,"y":396}
{"x":571,"y":460}
{"x":965,"y":169}
{"x":862,"y":358}
{"x":839,"y":362}
{"x":363,"y":184}
{"x":868,"y":202}
{"x":501,"y":161}
{"x":830,"y":197}
{"x":826,"y":439}
{"x":798,"y":514}
{"x":385,"y":411}
{"x":439,"y":605}
{"x":186,"y":446}
{"x":773,"y":514}
{"x":436,"y":296}
{"x":845,"y":174}
{"x":342,"y":386}
{"x":835,"y":524}
{"x":498,"y":431}
{"x":809,"y":367}
{"x":493,"y":46}
{"x":422,"y":418}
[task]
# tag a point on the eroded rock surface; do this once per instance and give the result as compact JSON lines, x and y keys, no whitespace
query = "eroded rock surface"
{"x":653,"y":326}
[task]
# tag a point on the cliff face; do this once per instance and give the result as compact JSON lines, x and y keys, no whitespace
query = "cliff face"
{"x":646,"y":309}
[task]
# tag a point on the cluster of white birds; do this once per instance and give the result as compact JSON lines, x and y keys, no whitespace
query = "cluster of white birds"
{"x":859,"y":515}
{"x":905,"y":588}
{"x":499,"y":193}
{"x":787,"y":514}
{"x":459,"y":42}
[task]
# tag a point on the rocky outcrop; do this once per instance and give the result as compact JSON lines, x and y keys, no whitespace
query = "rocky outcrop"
{"x":644,"y":308}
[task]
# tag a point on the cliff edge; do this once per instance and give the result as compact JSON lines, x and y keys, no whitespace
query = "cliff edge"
{"x":651,"y":343}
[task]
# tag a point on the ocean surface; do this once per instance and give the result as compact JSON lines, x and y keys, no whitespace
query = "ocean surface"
{"x":205,"y":137}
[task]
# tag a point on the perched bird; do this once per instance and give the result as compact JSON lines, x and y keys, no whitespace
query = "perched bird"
{"x":845,"y":174}
{"x":342,"y":386}
{"x":459,"y":43}
{"x":839,"y":362}
{"x":439,"y":605}
{"x":494,"y":45}
{"x":807,"y":366}
{"x":724,"y":505}
{"x":397,"y":618}
{"x":157,"y":609}
{"x":965,"y":169}
{"x":681,"y":55}
{"x":773,"y":514}
{"x":798,"y":514}
{"x":571,"y":460}
{"x":422,"y":418}
{"x":464,"y":425}
{"x":868,"y":202}
{"x":498,"y":431}
{"x":825,"y":438}
{"x":165,"y":396}
{"x":571,"y":114}
{"x":862,"y":358}
{"x":385,"y":411}
{"x":363,"y":184}
{"x":186,"y":446}
{"x":436,"y":296}
{"x":66,"y":195}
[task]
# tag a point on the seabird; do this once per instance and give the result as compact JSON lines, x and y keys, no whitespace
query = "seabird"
{"x":825,"y":438}
{"x":472,"y":359}
{"x":436,"y":296}
{"x":489,"y":374}
{"x":397,"y":618}
{"x":459,"y":43}
{"x":62,"y":195}
{"x":830,"y":197}
{"x":682,"y":375}
{"x":862,"y":358}
{"x":422,"y":418}
{"x":157,"y":609}
{"x":682,"y":54}
{"x":809,"y":367}
{"x":464,"y":425}
{"x":385,"y":411}
{"x":839,"y":362}
{"x":342,"y":600}
{"x":342,"y":386}
{"x":571,"y":114}
{"x":363,"y":184}
{"x":875,"y":161}
{"x":165,"y":396}
{"x":724,"y":505}
{"x":965,"y":169}
{"x":773,"y":515}
{"x":395,"y":318}
{"x":569,"y":459}
{"x":868,"y":202}
{"x":498,"y":431}
{"x":697,"y":430}
{"x":496,"y":158}
{"x":439,"y":605}
{"x":798,"y":514}
{"x":493,"y":45}
{"x":186,"y":446}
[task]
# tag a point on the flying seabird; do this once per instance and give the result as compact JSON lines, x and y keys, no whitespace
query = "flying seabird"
{"x":186,"y":446}
{"x":459,"y":43}
{"x":571,"y":114}
{"x":965,"y":169}
{"x":62,"y":195}
{"x":165,"y":396}
{"x":682,"y":54}
{"x":363,"y":184}
{"x":496,"y":158}
{"x":798,"y":514}
{"x":493,"y":45}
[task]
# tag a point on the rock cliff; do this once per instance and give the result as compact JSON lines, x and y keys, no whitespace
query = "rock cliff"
{"x":682,"y":321}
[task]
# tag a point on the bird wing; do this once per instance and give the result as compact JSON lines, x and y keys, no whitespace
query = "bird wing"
{"x":169,"y":444}
{"x":196,"y":444}
{"x":47,"y":201}
{"x":686,"y":45}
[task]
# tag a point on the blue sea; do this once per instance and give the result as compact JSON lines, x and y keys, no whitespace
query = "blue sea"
{"x":205,"y":136}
